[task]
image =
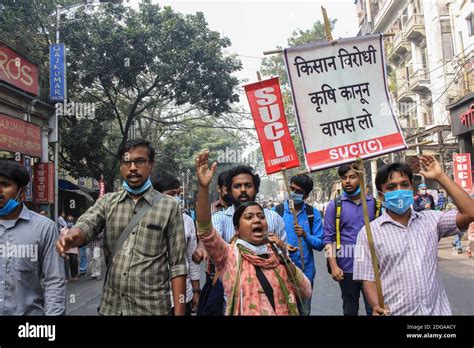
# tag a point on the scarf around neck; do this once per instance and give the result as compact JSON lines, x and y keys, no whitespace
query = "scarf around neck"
{"x":245,"y":297}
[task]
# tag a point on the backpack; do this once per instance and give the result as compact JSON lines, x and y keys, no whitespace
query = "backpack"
{"x":280,"y":208}
{"x":211,"y":300}
{"x":338,"y":207}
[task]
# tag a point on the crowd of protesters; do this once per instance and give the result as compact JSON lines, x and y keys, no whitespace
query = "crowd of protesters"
{"x":259,"y":257}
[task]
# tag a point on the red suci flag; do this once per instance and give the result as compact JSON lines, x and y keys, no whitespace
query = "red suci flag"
{"x":266,"y":105}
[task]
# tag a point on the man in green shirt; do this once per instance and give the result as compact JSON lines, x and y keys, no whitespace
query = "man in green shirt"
{"x":139,"y":274}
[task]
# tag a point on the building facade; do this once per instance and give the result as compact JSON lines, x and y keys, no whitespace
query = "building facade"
{"x":429,"y":47}
{"x":24,"y":119}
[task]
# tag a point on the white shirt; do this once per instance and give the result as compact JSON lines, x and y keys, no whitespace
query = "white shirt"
{"x":408,"y":261}
{"x":193,"y":268}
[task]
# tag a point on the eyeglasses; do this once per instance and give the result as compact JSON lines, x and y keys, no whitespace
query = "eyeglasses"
{"x":138,"y":163}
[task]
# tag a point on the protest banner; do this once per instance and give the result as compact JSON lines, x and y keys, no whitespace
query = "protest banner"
{"x":278,"y":150}
{"x":266,"y":105}
{"x":463,"y":171}
{"x":341,"y":101}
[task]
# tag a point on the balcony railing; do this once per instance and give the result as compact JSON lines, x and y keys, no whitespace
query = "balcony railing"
{"x":415,"y":27}
{"x":404,"y":93}
{"x":420,"y":81}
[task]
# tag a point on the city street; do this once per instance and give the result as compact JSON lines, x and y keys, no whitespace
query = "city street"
{"x":457,"y":274}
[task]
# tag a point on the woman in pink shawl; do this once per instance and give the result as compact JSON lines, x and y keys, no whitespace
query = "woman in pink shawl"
{"x":256,"y":281}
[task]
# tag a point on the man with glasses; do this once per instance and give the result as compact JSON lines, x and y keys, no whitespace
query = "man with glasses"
{"x":143,"y":257}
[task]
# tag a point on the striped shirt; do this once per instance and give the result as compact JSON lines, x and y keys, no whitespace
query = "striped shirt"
{"x":97,"y":241}
{"x":408,"y":261}
{"x":138,"y":280}
{"x":216,"y":207}
{"x":222,"y":222}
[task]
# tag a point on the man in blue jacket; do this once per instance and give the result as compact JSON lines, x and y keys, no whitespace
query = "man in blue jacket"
{"x":309,"y":227}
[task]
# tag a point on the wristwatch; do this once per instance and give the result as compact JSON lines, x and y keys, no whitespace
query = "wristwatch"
{"x":198,"y":290}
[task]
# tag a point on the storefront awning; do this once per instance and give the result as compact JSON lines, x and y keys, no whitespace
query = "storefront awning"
{"x":70,"y":187}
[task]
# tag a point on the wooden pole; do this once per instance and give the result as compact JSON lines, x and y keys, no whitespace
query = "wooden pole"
{"x":361,"y":171}
{"x":291,"y":205}
{"x":327,"y":24}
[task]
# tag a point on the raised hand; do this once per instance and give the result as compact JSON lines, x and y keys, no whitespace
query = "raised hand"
{"x":430,"y":167}
{"x":203,"y":171}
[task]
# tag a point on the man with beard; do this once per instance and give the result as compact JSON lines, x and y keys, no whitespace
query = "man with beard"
{"x":243,"y":185}
{"x":145,"y":240}
{"x":309,"y":228}
{"x":343,"y":220}
{"x":225,"y":200}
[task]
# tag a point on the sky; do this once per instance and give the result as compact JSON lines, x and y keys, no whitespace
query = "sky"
{"x":257,"y":26}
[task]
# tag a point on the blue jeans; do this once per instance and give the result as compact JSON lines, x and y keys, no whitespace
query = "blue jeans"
{"x":304,"y":307}
{"x":457,"y":241}
{"x":83,"y":260}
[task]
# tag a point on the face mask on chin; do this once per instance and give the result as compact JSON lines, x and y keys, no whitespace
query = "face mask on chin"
{"x":398,"y":201}
{"x":11,"y":205}
{"x":353,"y":194}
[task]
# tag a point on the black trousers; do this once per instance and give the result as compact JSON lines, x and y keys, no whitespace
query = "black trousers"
{"x":71,"y":265}
{"x":350,"y":293}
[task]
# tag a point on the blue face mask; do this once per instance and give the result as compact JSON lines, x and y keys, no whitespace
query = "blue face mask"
{"x":178,"y":198}
{"x":10,"y":206}
{"x":357,"y":192}
{"x":139,"y":190}
{"x":297,"y":198}
{"x":398,"y":201}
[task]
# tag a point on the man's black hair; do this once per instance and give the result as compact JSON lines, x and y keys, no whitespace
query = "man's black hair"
{"x":221,"y":178}
{"x":303,"y":181}
{"x":240,"y":210}
{"x":385,"y":173}
{"x":15,"y":172}
{"x":163,"y":181}
{"x":231,"y":173}
{"x":342,"y":170}
{"x":131,"y":143}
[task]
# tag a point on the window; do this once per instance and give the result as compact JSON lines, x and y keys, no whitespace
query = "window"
{"x":470,"y":24}
{"x":446,"y":40}
{"x":424,"y":58}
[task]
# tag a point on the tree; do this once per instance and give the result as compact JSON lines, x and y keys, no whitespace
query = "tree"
{"x":146,"y":68}
{"x":150,"y":68}
{"x":275,"y":66}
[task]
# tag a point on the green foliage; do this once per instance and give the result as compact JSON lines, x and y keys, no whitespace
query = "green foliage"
{"x":275,"y":66}
{"x":178,"y":71}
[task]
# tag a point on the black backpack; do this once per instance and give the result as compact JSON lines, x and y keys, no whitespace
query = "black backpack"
{"x":211,"y":300}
